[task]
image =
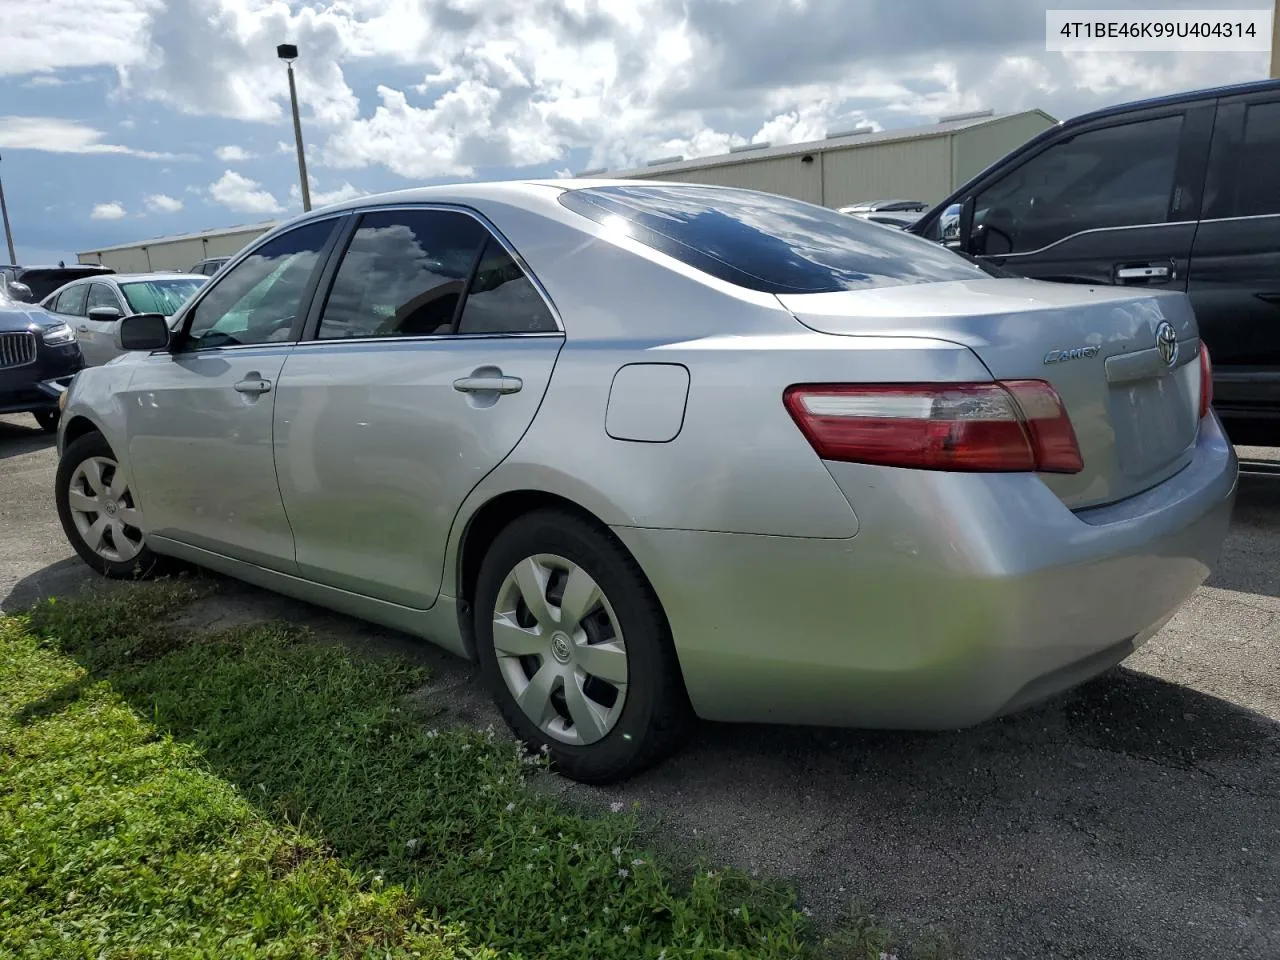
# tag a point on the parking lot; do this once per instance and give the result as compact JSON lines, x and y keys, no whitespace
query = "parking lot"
{"x":1140,"y":811}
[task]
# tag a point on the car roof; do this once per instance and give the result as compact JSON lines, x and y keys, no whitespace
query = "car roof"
{"x":134,"y":278}
{"x":1172,"y":99}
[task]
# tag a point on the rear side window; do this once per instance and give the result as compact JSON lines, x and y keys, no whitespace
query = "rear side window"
{"x":502,"y":299}
{"x":403,"y":275}
{"x":418,"y":273}
{"x":765,"y":242}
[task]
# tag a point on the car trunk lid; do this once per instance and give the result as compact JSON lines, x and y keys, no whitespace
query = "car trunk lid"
{"x":1135,"y":412}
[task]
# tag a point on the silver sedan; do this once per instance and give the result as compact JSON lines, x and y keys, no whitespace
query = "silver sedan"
{"x":653,"y":451}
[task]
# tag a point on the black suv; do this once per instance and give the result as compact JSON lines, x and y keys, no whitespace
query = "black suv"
{"x":38,"y":357}
{"x":42,"y":281}
{"x":1175,"y":193}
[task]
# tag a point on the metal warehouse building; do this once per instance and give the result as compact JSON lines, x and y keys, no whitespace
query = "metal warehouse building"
{"x":911,"y":163}
{"x":175,"y":253}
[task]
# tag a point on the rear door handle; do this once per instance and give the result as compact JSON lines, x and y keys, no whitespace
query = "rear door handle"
{"x":1145,"y":271}
{"x":254,"y":386}
{"x":496,"y":384}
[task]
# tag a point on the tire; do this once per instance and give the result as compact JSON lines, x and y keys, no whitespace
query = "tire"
{"x":121,"y":553}
{"x":48,"y":419}
{"x":597,"y":741}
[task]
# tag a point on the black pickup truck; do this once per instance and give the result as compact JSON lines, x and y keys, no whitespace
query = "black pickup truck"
{"x":1175,"y":193}
{"x":38,"y":357}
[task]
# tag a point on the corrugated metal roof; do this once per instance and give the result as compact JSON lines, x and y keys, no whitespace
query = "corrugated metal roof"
{"x":822,"y":146}
{"x":265,"y":225}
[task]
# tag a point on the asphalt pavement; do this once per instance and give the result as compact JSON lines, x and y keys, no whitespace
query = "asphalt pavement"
{"x":1137,"y":817}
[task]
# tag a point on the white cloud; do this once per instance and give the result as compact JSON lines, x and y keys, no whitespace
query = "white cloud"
{"x":243,"y":195}
{"x":322,"y":198}
{"x":163,"y":203}
{"x":108,"y":211}
{"x":232,"y":154}
{"x":41,"y":36}
{"x":54,"y":135}
{"x":469,"y":85}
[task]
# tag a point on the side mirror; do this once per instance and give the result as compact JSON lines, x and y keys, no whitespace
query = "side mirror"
{"x":104,"y":314}
{"x":949,"y":225}
{"x":143,"y":331}
{"x":21,"y":292}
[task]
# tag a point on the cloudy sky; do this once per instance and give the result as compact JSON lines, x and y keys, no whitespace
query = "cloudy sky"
{"x":127,"y":119}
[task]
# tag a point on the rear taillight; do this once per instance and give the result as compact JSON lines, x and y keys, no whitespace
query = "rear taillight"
{"x":1013,"y":425}
{"x":1206,"y":381}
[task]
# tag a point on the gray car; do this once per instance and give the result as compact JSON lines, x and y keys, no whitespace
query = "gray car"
{"x":653,"y":451}
{"x":93,"y":307}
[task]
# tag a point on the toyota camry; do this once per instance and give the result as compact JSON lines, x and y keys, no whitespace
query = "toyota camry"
{"x":653,"y":451}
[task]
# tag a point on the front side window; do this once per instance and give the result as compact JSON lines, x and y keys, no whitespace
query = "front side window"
{"x":403,"y":275}
{"x":72,"y":301}
{"x":1117,"y":176}
{"x":100,"y":295}
{"x":159,"y":296}
{"x":766,"y":242}
{"x":258,"y":301}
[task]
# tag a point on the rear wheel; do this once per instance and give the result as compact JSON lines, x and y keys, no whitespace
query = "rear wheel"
{"x":576,"y":650}
{"x":48,"y":419}
{"x":98,"y":512}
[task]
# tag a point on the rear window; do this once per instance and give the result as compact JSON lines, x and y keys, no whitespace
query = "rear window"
{"x":766,"y":242}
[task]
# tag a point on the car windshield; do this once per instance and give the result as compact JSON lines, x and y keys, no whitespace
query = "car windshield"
{"x":766,"y":242}
{"x":160,"y":296}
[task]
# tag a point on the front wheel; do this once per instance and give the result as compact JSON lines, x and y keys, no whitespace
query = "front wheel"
{"x":98,"y":512}
{"x":576,"y":650}
{"x":48,"y":420}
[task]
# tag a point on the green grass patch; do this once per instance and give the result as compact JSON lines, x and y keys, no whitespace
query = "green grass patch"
{"x":257,"y":794}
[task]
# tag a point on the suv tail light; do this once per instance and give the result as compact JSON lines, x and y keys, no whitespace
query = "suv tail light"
{"x":1206,"y":381}
{"x":1012,"y":425}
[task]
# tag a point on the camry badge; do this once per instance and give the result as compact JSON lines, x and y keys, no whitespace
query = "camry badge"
{"x":1075,"y":353}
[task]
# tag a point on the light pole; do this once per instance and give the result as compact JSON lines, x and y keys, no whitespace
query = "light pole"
{"x":1275,"y":40}
{"x":8,"y":233}
{"x":288,"y":52}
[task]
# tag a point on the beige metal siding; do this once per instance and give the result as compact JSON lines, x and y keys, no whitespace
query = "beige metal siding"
{"x":916,"y":169}
{"x":788,"y":176}
{"x":179,"y":254}
{"x":977,"y":148}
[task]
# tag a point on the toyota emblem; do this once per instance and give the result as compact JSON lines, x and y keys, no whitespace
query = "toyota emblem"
{"x":1167,"y":343}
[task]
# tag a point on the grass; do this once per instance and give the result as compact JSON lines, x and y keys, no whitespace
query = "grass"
{"x":254,"y":793}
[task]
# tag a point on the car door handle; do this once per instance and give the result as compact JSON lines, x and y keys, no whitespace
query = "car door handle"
{"x":495,"y":384}
{"x":255,"y":386}
{"x":1145,"y":271}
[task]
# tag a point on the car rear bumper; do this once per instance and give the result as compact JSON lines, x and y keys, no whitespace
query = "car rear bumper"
{"x":962,"y":597}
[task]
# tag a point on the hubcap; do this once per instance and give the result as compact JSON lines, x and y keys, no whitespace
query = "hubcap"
{"x":560,"y":649}
{"x":103,"y":510}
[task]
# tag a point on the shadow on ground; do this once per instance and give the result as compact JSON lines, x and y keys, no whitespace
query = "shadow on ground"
{"x":17,"y":439}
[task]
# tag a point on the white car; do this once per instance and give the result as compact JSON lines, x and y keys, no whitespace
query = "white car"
{"x":94,"y":306}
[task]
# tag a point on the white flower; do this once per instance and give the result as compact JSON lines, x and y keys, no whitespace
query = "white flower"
{"x":413,"y":844}
{"x":432,"y":734}
{"x":529,"y":867}
{"x":617,"y":852}
{"x":511,"y":807}
{"x":626,"y":928}
{"x":637,"y":863}
{"x":616,"y":806}
{"x":737,"y":911}
{"x":577,"y":848}
{"x":624,"y":873}
{"x":807,"y":912}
